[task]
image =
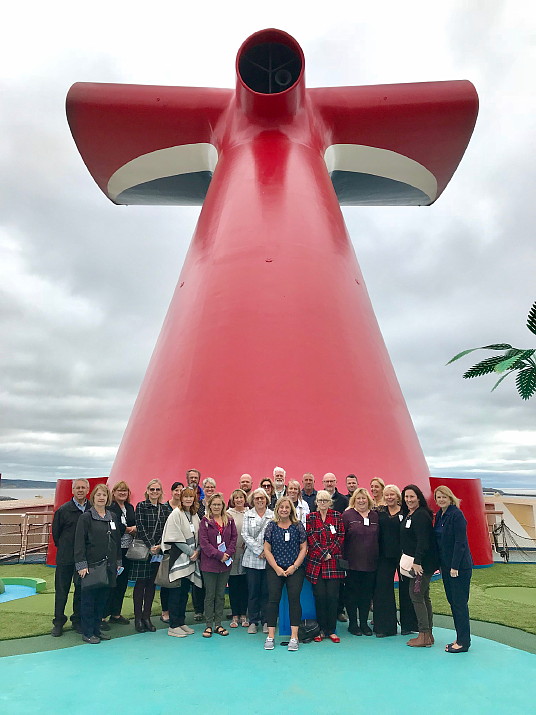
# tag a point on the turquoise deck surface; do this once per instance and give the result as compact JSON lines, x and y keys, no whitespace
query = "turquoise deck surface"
{"x":152,"y":673}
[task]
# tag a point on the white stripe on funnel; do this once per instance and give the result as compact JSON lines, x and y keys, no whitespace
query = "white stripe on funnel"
{"x":183,"y":159}
{"x":380,"y":162}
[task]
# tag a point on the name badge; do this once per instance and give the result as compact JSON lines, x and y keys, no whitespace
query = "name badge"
{"x":332,"y":529}
{"x":112,"y":525}
{"x":218,"y":539}
{"x":400,"y":517}
{"x":192,"y":528}
{"x":287,"y":536}
{"x":366,"y":521}
{"x":408,"y":523}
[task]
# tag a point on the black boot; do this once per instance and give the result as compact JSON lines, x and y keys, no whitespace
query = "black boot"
{"x":148,"y":625}
{"x":139,"y":625}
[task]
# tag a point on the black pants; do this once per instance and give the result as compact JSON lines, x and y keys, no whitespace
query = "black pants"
{"x":238,"y":594}
{"x":64,"y":576}
{"x":257,"y":595}
{"x":408,"y":619}
{"x":385,"y":616}
{"x":177,"y":600}
{"x":457,"y":592}
{"x":164,"y":598}
{"x":198,"y":597}
{"x":93,"y":605}
{"x":359,"y":591}
{"x":326,"y":593}
{"x":342,"y":598}
{"x":117,"y":594}
{"x":294,"y":585}
{"x":143,"y":595}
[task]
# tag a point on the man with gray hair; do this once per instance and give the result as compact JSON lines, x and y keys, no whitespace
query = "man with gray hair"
{"x":63,"y":531}
{"x":279,"y":481}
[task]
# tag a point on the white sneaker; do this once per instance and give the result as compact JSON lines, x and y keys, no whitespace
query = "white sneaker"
{"x":293,"y":644}
{"x":189,"y":631}
{"x":265,"y":628}
{"x":269,"y":644}
{"x":252,"y":628}
{"x":177,"y":632}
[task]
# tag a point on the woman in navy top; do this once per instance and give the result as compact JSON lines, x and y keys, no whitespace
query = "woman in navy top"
{"x":285,"y":546}
{"x":450,"y":528}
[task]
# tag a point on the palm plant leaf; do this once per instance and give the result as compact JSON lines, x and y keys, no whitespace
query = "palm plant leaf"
{"x":531,"y":320}
{"x":484,"y":367}
{"x":495,"y":346}
{"x":496,"y":385}
{"x":526,"y":382}
{"x":513,"y":360}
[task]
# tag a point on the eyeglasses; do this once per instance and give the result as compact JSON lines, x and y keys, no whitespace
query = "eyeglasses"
{"x":155,"y":489}
{"x":322,"y":501}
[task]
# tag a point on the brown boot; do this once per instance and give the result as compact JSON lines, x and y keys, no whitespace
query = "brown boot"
{"x":422,"y":641}
{"x":432,"y":639}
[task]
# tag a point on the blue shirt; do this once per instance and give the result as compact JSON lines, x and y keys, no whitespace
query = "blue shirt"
{"x":285,"y":552}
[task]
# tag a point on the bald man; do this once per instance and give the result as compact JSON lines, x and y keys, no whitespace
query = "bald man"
{"x":340,"y":502}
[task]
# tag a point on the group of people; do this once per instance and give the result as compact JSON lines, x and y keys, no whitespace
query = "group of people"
{"x":348,"y":547}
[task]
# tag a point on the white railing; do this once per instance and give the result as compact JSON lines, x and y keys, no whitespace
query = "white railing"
{"x":23,"y":535}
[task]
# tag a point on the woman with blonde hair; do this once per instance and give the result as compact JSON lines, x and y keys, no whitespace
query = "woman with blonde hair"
{"x":151,"y":515}
{"x":377,"y":486}
{"x":124,"y":511}
{"x":361,"y":549}
{"x":456,"y":563}
{"x":217,"y":539}
{"x":255,"y":522}
{"x":285,"y":546}
{"x":385,"y":617}
{"x":300,"y":505}
{"x":97,"y":540}
{"x":238,"y":585}
{"x":181,"y":540}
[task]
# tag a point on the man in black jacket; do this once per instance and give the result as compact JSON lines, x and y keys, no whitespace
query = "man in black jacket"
{"x":63,"y":531}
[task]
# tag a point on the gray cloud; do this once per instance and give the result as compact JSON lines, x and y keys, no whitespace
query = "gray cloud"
{"x":84,"y":285}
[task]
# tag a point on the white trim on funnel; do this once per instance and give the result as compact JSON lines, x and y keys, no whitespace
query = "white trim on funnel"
{"x":380,"y":162}
{"x":174,"y":160}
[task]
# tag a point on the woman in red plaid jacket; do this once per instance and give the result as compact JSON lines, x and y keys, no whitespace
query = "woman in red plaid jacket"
{"x":325,"y":536}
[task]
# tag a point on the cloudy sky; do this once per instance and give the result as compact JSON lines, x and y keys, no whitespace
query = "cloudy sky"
{"x":84,"y":284}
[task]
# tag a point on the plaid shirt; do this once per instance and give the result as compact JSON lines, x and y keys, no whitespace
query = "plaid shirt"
{"x":253,"y":529}
{"x":322,"y":541}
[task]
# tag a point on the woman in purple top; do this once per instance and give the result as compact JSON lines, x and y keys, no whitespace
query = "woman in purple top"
{"x":361,"y":548}
{"x":217,"y":539}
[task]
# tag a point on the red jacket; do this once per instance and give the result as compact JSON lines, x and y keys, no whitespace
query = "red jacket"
{"x":322,"y":541}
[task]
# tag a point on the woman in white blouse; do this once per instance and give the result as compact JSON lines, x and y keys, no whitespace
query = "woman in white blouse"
{"x":256,"y":520}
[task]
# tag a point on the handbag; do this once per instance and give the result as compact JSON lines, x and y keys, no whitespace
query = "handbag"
{"x":138,"y":549}
{"x":97,"y":576}
{"x":162,"y":575}
{"x":308,"y":630}
{"x":406,"y":566}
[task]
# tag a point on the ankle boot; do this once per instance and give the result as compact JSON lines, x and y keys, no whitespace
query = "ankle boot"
{"x":139,"y":625}
{"x":148,"y":625}
{"x":422,"y":641}
{"x":432,"y":639}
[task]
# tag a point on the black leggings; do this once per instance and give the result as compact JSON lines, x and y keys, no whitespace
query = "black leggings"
{"x":326,"y":593}
{"x":359,"y":589}
{"x":238,"y":594}
{"x":275,"y":588}
{"x":143,"y":595}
